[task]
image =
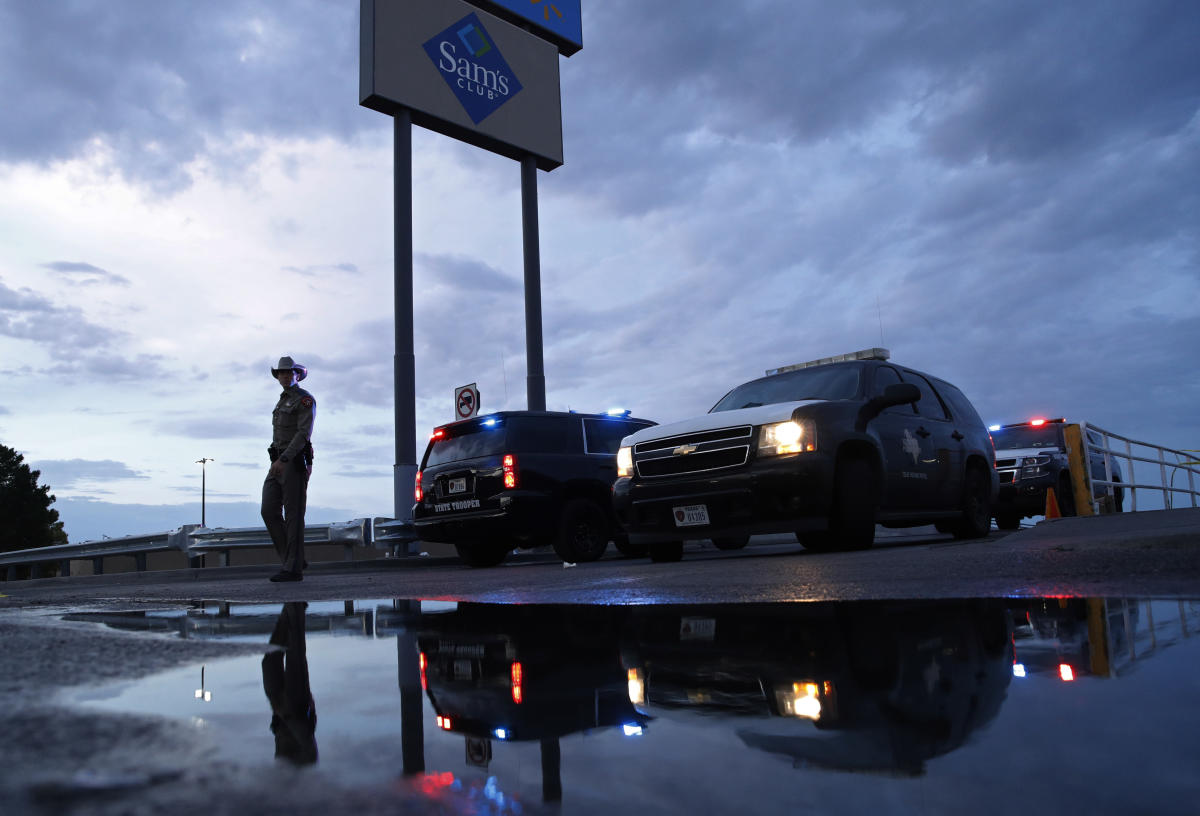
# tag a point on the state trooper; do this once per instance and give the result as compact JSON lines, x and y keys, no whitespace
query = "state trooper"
{"x":285,"y":491}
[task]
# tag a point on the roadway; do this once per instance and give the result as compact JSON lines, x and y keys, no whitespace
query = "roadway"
{"x":1153,"y":553}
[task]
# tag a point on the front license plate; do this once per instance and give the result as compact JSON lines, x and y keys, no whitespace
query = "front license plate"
{"x":458,"y":485}
{"x":697,"y":628}
{"x":691,"y":515}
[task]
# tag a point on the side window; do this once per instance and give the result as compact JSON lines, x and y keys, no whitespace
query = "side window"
{"x":549,"y":434}
{"x":930,"y":405}
{"x":604,"y":435}
{"x":961,"y":409}
{"x":885,"y":376}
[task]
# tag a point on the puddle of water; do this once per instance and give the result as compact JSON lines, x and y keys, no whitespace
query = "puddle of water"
{"x":920,"y":706}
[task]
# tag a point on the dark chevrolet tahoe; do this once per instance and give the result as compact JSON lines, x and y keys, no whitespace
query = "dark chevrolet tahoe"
{"x":514,"y":479}
{"x":825,"y":450}
{"x":1032,"y":456}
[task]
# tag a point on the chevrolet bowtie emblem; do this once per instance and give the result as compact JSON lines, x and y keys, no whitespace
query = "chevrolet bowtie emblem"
{"x":683,"y":450}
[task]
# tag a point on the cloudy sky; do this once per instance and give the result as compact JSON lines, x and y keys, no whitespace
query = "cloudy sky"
{"x":1005,"y":194}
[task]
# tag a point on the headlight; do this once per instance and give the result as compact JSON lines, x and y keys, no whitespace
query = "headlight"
{"x":805,"y":700}
{"x":625,"y":462}
{"x":786,"y":437}
{"x":637,"y":687}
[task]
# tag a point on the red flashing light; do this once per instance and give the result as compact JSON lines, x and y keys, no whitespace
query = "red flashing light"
{"x":1066,"y":672}
{"x":438,"y":434}
{"x":510,"y":471}
{"x":423,"y":662}
{"x":417,"y":493}
{"x":1037,"y":423}
{"x":517,"y":675}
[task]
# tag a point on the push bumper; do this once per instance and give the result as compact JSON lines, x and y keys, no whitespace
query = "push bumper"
{"x":786,"y":495}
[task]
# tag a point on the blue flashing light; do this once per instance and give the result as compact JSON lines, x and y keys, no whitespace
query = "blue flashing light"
{"x":489,"y":423}
{"x":618,"y":412}
{"x":632,"y":729}
{"x":1018,"y":669}
{"x":500,"y":733}
{"x":993,"y":427}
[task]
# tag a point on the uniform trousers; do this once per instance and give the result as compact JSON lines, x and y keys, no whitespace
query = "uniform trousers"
{"x":283,"y":504}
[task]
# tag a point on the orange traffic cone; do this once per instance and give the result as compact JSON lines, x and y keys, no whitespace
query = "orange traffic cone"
{"x":1052,"y":511}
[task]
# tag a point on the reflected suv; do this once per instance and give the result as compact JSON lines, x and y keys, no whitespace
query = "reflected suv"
{"x":825,"y":449}
{"x":514,"y":479}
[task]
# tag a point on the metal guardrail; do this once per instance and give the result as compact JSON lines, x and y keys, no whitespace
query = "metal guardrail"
{"x":197,"y":541}
{"x":1148,"y":454}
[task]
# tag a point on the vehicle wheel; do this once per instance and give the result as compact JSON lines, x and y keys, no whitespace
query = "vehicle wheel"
{"x":666,"y":551}
{"x":582,"y":532}
{"x":628,"y":549}
{"x":1066,"y":496}
{"x":731,"y":542}
{"x":482,"y":555}
{"x":1008,"y":521}
{"x":855,"y":495}
{"x":815,"y":541}
{"x":976,"y":521}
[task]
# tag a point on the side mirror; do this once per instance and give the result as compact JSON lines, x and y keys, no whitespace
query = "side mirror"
{"x":896,"y":394}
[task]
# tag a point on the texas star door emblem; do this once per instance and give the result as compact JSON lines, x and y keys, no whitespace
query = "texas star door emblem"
{"x":467,"y":58}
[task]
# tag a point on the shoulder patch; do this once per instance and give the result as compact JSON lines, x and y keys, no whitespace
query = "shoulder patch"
{"x":307,"y":402}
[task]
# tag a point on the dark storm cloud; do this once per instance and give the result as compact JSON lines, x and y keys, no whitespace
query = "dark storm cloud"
{"x":160,"y":82}
{"x":68,"y":473}
{"x":84,"y":274}
{"x":1014,"y":82}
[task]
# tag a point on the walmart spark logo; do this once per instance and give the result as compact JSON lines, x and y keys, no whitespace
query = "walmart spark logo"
{"x":546,"y":9}
{"x":473,"y":68}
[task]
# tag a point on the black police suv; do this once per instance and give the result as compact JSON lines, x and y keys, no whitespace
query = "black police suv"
{"x":515,"y":479}
{"x":826,"y":449}
{"x":1032,"y":456}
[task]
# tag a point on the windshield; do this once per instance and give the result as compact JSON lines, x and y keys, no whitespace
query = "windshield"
{"x":837,"y":382}
{"x":1026,"y":436}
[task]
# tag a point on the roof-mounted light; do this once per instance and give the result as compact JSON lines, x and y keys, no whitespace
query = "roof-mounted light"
{"x":864,"y":354}
{"x":617,"y":412}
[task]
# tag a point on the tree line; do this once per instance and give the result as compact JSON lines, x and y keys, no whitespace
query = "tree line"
{"x":26,"y":518}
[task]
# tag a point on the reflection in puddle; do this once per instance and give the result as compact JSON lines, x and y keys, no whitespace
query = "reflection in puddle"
{"x":672,"y":708}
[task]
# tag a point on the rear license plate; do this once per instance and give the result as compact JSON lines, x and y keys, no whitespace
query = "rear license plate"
{"x":462,"y":670}
{"x":691,"y":515}
{"x":458,"y":485}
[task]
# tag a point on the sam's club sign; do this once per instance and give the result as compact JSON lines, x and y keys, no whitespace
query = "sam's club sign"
{"x":471,"y":64}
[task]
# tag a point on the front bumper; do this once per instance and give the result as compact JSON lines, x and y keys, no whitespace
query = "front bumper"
{"x":526,"y":518}
{"x":780,"y":495}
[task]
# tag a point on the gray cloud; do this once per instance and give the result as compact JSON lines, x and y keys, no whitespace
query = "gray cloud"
{"x":63,"y":331}
{"x":317,"y":270}
{"x":161,"y":84}
{"x":68,"y":473}
{"x":461,"y":273}
{"x":84,"y":274}
{"x":206,"y":427}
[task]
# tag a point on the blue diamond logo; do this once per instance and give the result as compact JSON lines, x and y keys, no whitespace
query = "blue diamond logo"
{"x":468,"y":59}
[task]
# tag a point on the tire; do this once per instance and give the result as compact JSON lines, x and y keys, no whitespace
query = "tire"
{"x":855,"y":496}
{"x":1008,"y":521}
{"x":628,"y":549}
{"x":818,"y":542}
{"x":731,"y":542}
{"x":976,"y":519}
{"x":666,"y":551}
{"x":482,"y":555}
{"x":582,"y":532}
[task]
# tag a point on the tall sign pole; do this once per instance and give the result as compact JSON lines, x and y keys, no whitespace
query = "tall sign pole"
{"x":535,"y":381}
{"x":404,"y":471}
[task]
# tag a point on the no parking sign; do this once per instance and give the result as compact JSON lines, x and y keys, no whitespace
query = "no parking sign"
{"x":466,"y":401}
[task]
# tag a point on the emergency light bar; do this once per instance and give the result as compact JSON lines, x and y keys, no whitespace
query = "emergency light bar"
{"x":865,"y":354}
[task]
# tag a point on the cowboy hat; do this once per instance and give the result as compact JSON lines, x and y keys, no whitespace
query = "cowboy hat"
{"x":285,"y":364}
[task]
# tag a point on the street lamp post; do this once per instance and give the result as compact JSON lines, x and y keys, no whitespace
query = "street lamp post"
{"x":203,"y":486}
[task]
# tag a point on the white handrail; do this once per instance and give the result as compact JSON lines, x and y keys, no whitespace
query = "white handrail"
{"x":1157,"y":455}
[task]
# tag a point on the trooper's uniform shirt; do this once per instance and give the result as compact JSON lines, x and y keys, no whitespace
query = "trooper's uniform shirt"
{"x":292,"y":422}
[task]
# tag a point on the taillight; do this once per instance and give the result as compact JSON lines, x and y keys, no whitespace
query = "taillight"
{"x":422,"y":662}
{"x":518,"y":678}
{"x":417,"y":492}
{"x":510,"y":471}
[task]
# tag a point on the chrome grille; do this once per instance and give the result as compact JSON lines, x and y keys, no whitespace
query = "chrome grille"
{"x":693,"y":453}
